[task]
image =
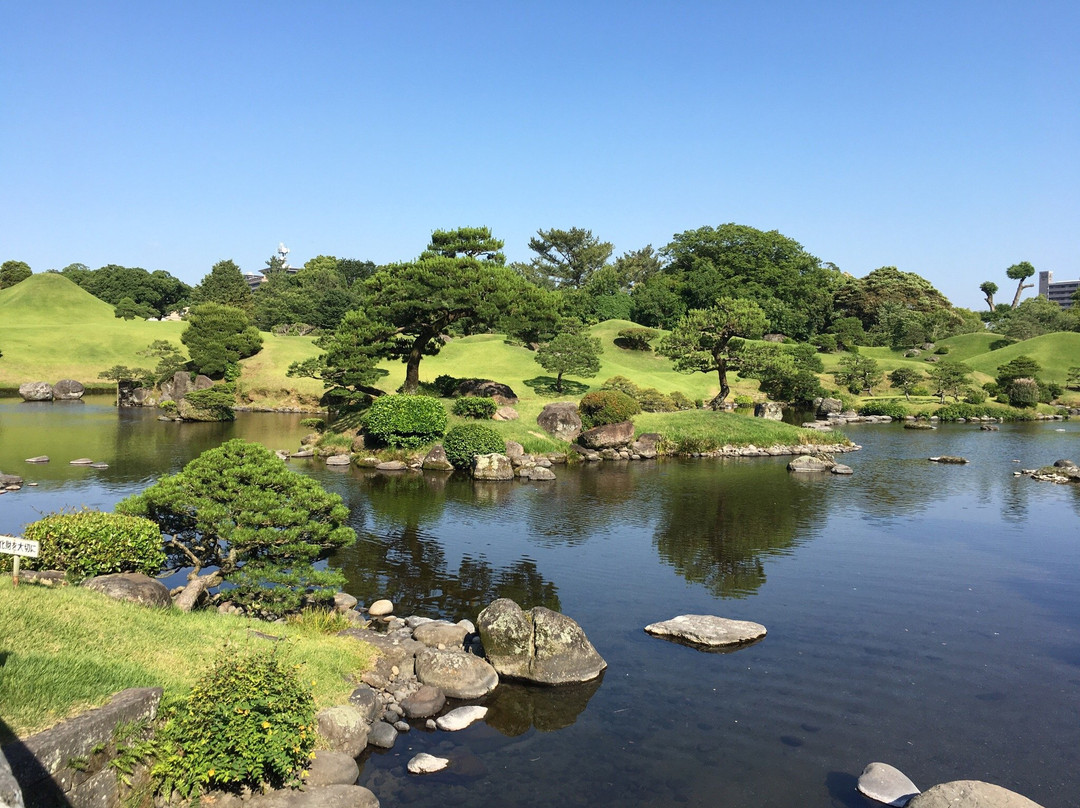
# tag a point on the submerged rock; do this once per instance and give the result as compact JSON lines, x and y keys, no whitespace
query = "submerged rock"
{"x":460,"y":718}
{"x":949,"y":459}
{"x":424,"y":763}
{"x":707,"y":630}
{"x":887,"y":784}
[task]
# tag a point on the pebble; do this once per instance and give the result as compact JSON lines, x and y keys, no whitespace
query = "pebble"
{"x":402,"y":726}
{"x":430,"y":724}
{"x":460,"y":718}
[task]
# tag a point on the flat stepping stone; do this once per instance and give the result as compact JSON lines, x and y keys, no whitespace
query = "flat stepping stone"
{"x":970,"y":794}
{"x":38,"y":459}
{"x":841,"y":469}
{"x":99,"y":465}
{"x":304,"y":453}
{"x":887,"y":784}
{"x":82,"y":461}
{"x":424,"y":763}
{"x":338,"y":460}
{"x":707,"y":631}
{"x":460,"y":718}
{"x":391,"y":465}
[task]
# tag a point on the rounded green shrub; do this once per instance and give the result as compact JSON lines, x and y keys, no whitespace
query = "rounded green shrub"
{"x":464,"y":442}
{"x":652,"y":400}
{"x":318,"y":424}
{"x":975,"y":395}
{"x":89,"y":543}
{"x":894,"y":409}
{"x":622,"y":384}
{"x":682,"y":401}
{"x":942,"y":350}
{"x":1023,"y":393}
{"x":606,"y":407}
{"x":214,"y":403}
{"x":474,"y":407}
{"x":248,"y":723}
{"x":405,"y":421}
{"x":743,"y":401}
{"x":637,"y":339}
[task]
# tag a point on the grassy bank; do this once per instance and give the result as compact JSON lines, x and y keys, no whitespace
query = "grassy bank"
{"x":65,"y":650}
{"x":704,"y":430}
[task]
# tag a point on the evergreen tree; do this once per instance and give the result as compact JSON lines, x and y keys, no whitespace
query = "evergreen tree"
{"x":225,"y":285}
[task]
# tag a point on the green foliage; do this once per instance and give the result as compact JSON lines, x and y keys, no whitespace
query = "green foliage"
{"x":869,"y":297}
{"x":128,"y":309}
{"x":905,"y":379}
{"x":606,"y":407}
{"x":217,"y":336}
{"x":475,"y":407}
{"x":826,"y":343}
{"x":239,"y":504}
{"x":466,"y":441}
{"x":153,"y":293}
{"x":858,"y":373}
{"x":570,"y":352}
{"x":318,"y":295}
{"x":954,"y":412}
{"x":13,"y":272}
{"x":348,"y":366}
{"x":975,"y":395}
{"x":1073,"y":379}
{"x":743,"y":401}
{"x":637,"y":339}
{"x":566,"y":259}
{"x":405,"y":421}
{"x":88,"y":543}
{"x":1023,"y":392}
{"x":1022,"y":367}
{"x":652,"y":400}
{"x":942,"y":350}
{"x":894,"y":409}
{"x":1020,"y":272}
{"x":170,"y":359}
{"x":682,"y":401}
{"x":249,"y":722}
{"x":950,"y":377}
{"x":446,"y":385}
{"x":122,"y":373}
{"x":320,"y":621}
{"x":474,"y":242}
{"x":224,"y":285}
{"x":318,"y":424}
{"x":215,"y":402}
{"x":784,"y":372}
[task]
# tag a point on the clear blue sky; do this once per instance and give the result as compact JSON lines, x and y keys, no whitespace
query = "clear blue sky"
{"x":939,"y":137}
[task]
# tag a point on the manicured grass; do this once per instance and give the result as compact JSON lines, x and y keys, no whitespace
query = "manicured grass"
{"x":263,"y":379}
{"x":65,"y":650}
{"x":705,"y":430}
{"x":1056,"y":353}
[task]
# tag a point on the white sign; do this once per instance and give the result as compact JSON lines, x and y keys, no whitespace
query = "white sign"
{"x":13,"y":545}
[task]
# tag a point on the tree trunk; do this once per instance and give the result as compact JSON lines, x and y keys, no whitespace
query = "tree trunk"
{"x":1020,"y":287}
{"x":558,"y":383}
{"x":194,"y":590}
{"x":412,"y":368}
{"x":990,"y":300}
{"x":721,"y":370}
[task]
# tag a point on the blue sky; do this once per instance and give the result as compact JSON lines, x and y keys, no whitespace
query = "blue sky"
{"x":939,"y":137}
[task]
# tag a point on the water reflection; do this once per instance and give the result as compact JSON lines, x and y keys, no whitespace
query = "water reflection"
{"x":516,"y":708}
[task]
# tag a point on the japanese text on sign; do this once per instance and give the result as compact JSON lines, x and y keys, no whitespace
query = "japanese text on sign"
{"x":13,"y":545}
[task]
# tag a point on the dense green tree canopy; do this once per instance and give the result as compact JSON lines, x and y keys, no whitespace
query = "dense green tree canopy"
{"x":784,"y":372}
{"x":157,"y":291}
{"x":473,"y":242}
{"x":989,"y":289}
{"x":949,"y":377}
{"x":858,"y":373}
{"x":566,"y":259}
{"x":219,"y":336}
{"x":348,"y":365}
{"x":225,"y":285}
{"x":866,"y":297}
{"x":906,"y":379}
{"x":11,"y":272}
{"x":318,"y":295}
{"x":1020,"y":272}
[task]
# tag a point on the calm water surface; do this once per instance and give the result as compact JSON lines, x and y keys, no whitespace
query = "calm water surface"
{"x":923,"y":615}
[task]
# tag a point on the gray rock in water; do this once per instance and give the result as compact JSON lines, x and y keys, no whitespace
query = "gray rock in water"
{"x":829,"y":406}
{"x":424,"y":763}
{"x":538,"y":473}
{"x":316,"y":797}
{"x":10,"y":479}
{"x":329,"y":768}
{"x":887,"y":784}
{"x":608,"y":436}
{"x":804,"y":463}
{"x":460,"y":718}
{"x":367,"y":701}
{"x":99,"y":465}
{"x":455,"y":673}
{"x":537,"y":646}
{"x":304,"y":453}
{"x":841,"y":469}
{"x":949,"y":459}
{"x":439,"y":632}
{"x":343,"y":602}
{"x":560,"y":419}
{"x":38,"y":459}
{"x":424,"y":703}
{"x":133,"y":587}
{"x":435,"y":460}
{"x":493,"y":466}
{"x":970,"y":794}
{"x":382,"y":735}
{"x":68,"y":390}
{"x":391,"y":465}
{"x":1064,"y":464}
{"x":36,"y":391}
{"x":381,"y":608}
{"x":770,"y":410}
{"x":344,"y":727}
{"x":707,"y":630}
{"x":81,"y":461}
{"x":338,"y":460}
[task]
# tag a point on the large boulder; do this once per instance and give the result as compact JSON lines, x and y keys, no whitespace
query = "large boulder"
{"x":560,"y":419}
{"x":457,"y":674}
{"x":330,"y":768}
{"x":344,"y":728}
{"x":133,"y":587}
{"x":435,"y":459}
{"x":316,"y":797}
{"x":493,"y":466}
{"x":68,"y":390}
{"x":608,"y":436}
{"x":424,"y":703}
{"x":440,"y":632}
{"x":537,"y":646}
{"x":505,"y":413}
{"x":708,"y":631}
{"x":830,"y":406}
{"x":645,"y":445}
{"x":810,"y":463}
{"x":486,"y":388}
{"x":36,"y":391}
{"x":770,"y":410}
{"x":177,"y":387}
{"x":10,"y":793}
{"x":970,"y":794}
{"x":189,"y":412}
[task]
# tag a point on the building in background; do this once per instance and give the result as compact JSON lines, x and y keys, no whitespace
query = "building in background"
{"x":1059,"y":292}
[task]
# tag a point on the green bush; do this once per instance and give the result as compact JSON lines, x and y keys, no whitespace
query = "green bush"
{"x":682,"y":401}
{"x":1023,"y":393}
{"x":216,"y":401}
{"x":961,"y":410}
{"x":606,"y":407}
{"x":622,"y":384}
{"x":248,"y":723}
{"x":743,"y":401}
{"x":89,"y":543}
{"x":826,"y":343}
{"x":975,"y":395}
{"x":637,"y":339}
{"x":464,"y":442}
{"x":652,"y":400}
{"x":942,"y":350}
{"x":474,"y":407}
{"x":446,"y":385}
{"x":405,"y":421}
{"x":894,"y":409}
{"x":318,"y":424}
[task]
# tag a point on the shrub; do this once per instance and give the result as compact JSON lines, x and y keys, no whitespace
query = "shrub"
{"x":652,"y":400}
{"x":248,"y":723}
{"x":682,"y":401}
{"x":942,"y":350}
{"x":318,"y":424}
{"x":89,"y":543}
{"x":622,"y":384}
{"x":1053,"y":390}
{"x":1023,"y":393}
{"x":637,"y":339}
{"x":826,"y":343}
{"x":743,"y":401}
{"x":445,"y":385}
{"x":405,"y":421}
{"x":168,"y":405}
{"x":606,"y":407}
{"x":217,"y":401}
{"x":975,"y":395}
{"x":474,"y":407}
{"x":992,"y":389}
{"x":894,"y":409}
{"x":920,"y":390}
{"x":464,"y":442}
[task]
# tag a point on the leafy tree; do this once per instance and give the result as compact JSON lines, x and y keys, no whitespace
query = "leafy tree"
{"x":866,"y":297}
{"x":1022,"y":367}
{"x":319,"y":294}
{"x":1072,"y":379}
{"x":354,"y":270}
{"x":1032,"y":318}
{"x":701,"y":341}
{"x":858,"y":373}
{"x":122,"y":373}
{"x":155,"y":293}
{"x":473,"y":242}
{"x":849,"y":333}
{"x":905,"y":380}
{"x":218,"y":336}
{"x":566,"y":259}
{"x":637,"y":266}
{"x":656,"y":302}
{"x":950,"y":377}
{"x":226,"y":286}
{"x":989,"y":289}
{"x":169,"y":359}
{"x":601,"y":298}
{"x":12,"y":272}
{"x":1020,"y":273}
{"x":637,"y":339}
{"x":348,"y":366}
{"x":573,"y":352}
{"x":239,"y":509}
{"x":128,"y":309}
{"x":784,"y":372}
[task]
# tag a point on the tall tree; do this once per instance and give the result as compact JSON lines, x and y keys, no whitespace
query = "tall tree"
{"x":867,"y":297}
{"x":156,"y":290}
{"x":349,"y":364}
{"x":12,"y":272}
{"x":637,"y":266}
{"x":701,"y":341}
{"x":218,"y":336}
{"x":989,"y":289}
{"x":566,"y":258}
{"x":784,"y":372}
{"x":473,"y":242}
{"x":1020,"y":273}
{"x":225,"y":285}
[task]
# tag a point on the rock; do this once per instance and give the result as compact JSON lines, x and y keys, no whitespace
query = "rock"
{"x":707,"y":630}
{"x":304,"y":453}
{"x":514,"y":450}
{"x":343,"y":602}
{"x":10,"y":479}
{"x":970,"y":794}
{"x":330,"y":768}
{"x":884,"y":783}
{"x":1064,"y":464}
{"x":391,"y":465}
{"x":10,"y":793}
{"x":460,"y":718}
{"x":608,"y":436}
{"x":368,"y":462}
{"x":493,"y":466}
{"x":187,"y":411}
{"x":485,"y":388}
{"x":435,"y":460}
{"x":645,"y":445}
{"x":809,"y":463}
{"x":424,"y":703}
{"x":38,"y":459}
{"x":68,"y":390}
{"x":457,"y":674}
{"x":829,"y":406}
{"x":505,"y":413}
{"x":338,"y":460}
{"x":367,"y":701}
{"x":989,"y":428}
{"x":840,"y":468}
{"x":918,"y":425}
{"x":948,"y":459}
{"x":316,"y":797}
{"x":81,"y":461}
{"x":424,"y":763}
{"x":133,"y":587}
{"x":439,"y":632}
{"x":281,"y":454}
{"x":99,"y":465}
{"x":538,"y":646}
{"x":537,"y":473}
{"x":177,"y":387}
{"x":381,"y":608}
{"x":36,"y":391}
{"x":560,"y":419}
{"x":344,"y":728}
{"x":769,"y":410}
{"x":44,"y":577}
{"x":382,"y":735}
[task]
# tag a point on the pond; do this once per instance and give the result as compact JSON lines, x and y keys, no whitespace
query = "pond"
{"x":927,"y":616}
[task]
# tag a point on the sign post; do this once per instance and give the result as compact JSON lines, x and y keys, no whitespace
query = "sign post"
{"x":18,"y":547}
